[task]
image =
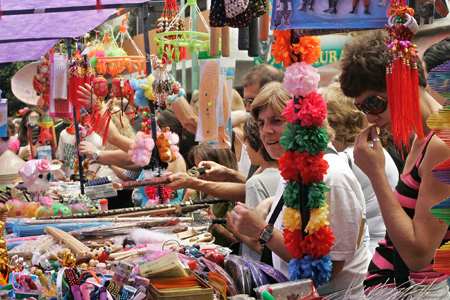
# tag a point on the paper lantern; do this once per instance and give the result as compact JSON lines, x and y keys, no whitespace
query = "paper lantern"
{"x":100,"y":87}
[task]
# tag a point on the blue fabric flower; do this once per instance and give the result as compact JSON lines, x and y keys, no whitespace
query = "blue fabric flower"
{"x":318,"y":270}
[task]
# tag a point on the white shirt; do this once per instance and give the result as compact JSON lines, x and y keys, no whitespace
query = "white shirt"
{"x":347,"y":209}
{"x":66,"y":150}
{"x":377,"y":229}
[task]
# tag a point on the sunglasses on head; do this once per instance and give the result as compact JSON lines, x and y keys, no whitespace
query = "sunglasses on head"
{"x":373,"y":105}
{"x":248,"y":100}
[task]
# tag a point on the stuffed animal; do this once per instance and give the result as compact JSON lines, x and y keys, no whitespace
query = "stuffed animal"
{"x":165,"y":153}
{"x":36,"y":177}
{"x":141,"y":150}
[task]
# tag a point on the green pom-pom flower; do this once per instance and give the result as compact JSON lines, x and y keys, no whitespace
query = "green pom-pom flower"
{"x":316,"y":194}
{"x":311,"y":139}
{"x":291,"y":195}
{"x":287,"y":141}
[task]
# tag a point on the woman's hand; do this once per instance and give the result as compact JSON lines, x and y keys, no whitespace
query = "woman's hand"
{"x":25,"y":153}
{"x":246,"y":221}
{"x":370,"y":159}
{"x":216,"y":172}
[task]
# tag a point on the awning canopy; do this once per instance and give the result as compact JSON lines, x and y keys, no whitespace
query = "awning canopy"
{"x":30,"y":28}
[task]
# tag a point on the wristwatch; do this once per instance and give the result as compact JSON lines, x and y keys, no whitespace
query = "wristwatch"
{"x":266,"y":234}
{"x":96,"y":155}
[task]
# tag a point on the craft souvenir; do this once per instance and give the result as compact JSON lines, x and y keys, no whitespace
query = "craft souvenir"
{"x":100,"y":87}
{"x":30,"y":208}
{"x":402,"y":74}
{"x":36,"y":177}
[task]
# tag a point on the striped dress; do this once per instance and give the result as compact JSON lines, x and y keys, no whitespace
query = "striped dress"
{"x":381,"y":268}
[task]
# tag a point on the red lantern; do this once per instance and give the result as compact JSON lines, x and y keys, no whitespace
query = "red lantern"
{"x":119,"y":87}
{"x":100,"y":87}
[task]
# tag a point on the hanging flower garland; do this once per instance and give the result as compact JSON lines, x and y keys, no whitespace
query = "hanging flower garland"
{"x":286,"y":52}
{"x":303,"y":165}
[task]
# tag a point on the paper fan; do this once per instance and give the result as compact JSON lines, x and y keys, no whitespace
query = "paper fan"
{"x":442,"y":171}
{"x":22,"y":84}
{"x":442,"y":259}
{"x":439,"y":122}
{"x":439,"y":79}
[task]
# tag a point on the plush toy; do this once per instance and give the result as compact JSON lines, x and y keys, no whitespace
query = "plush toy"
{"x":165,"y":152}
{"x":141,"y":150}
{"x":36,"y":177}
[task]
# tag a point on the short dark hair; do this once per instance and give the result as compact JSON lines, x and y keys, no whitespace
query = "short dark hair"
{"x":363,"y":65}
{"x":224,"y":157}
{"x":253,"y":138}
{"x":437,"y":54}
{"x":262,"y":75}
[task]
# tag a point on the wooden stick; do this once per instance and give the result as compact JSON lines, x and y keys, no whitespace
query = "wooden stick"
{"x":130,"y":185}
{"x":68,"y":240}
{"x":122,"y":211}
{"x":214,"y":42}
{"x":226,"y":41}
{"x":263,"y":32}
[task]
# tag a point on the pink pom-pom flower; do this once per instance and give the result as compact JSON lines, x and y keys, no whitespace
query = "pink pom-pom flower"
{"x":300,"y":79}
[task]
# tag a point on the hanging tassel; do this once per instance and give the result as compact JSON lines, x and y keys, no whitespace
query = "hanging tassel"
{"x":418,"y":128}
{"x":99,"y":6}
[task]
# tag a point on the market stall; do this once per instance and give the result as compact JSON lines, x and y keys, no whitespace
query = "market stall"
{"x":60,"y":234}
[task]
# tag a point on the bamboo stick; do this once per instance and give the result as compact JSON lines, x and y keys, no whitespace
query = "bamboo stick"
{"x":68,"y":240}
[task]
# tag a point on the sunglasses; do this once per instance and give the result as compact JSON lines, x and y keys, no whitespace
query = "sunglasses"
{"x":248,"y":100}
{"x":373,"y":105}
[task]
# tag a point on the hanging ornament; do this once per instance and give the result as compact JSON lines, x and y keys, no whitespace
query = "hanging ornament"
{"x":402,"y":75}
{"x":100,"y":87}
{"x":120,"y":87}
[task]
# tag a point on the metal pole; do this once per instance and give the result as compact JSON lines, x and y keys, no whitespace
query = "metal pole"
{"x":77,"y":130}
{"x":194,"y":68}
{"x":183,"y":63}
{"x":155,"y":153}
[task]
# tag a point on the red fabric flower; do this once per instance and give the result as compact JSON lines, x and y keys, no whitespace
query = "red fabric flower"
{"x":313,"y":110}
{"x":312,"y":168}
{"x":289,"y":111}
{"x":292,"y":241}
{"x":319,"y":243}
{"x":288,"y":166}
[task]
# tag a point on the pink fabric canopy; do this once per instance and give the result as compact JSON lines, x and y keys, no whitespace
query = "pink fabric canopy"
{"x":30,"y":28}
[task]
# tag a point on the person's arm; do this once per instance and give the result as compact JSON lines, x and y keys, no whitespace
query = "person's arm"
{"x":247,"y":222}
{"x":415,"y":239}
{"x":238,"y":117}
{"x":218,"y":172}
{"x":225,"y":190}
{"x":185,"y":114}
{"x":119,"y":172}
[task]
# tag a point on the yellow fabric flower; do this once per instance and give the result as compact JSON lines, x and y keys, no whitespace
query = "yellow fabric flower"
{"x":292,"y":219}
{"x":317,"y":219}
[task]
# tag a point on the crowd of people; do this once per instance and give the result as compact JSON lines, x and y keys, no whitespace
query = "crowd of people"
{"x":379,"y":199}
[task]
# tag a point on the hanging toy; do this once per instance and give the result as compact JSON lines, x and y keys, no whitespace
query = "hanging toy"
{"x":100,"y":87}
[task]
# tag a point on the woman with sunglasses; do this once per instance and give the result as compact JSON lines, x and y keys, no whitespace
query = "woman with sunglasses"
{"x":405,"y":257}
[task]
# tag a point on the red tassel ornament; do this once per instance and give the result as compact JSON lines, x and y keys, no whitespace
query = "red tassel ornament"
{"x":402,"y":76}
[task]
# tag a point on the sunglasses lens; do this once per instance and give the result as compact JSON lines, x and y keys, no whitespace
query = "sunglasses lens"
{"x":373,"y":105}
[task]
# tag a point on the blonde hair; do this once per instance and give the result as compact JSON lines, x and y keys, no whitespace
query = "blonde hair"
{"x":125,"y":130}
{"x":272,"y":95}
{"x":236,"y":102}
{"x":346,"y":120}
